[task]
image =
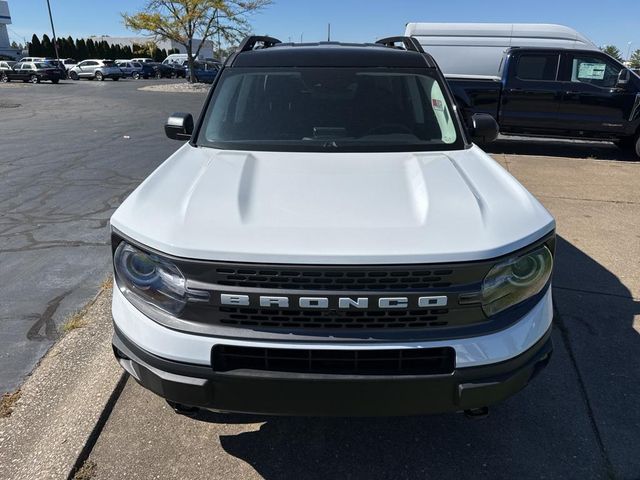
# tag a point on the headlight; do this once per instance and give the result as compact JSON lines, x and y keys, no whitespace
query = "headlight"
{"x":513,"y":281}
{"x":148,"y":280}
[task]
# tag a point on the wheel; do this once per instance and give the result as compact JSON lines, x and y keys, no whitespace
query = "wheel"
{"x":34,"y":79}
{"x":99,"y":76}
{"x":158,"y":75}
{"x":4,"y":78}
{"x":74,"y":76}
{"x":135,"y":75}
{"x":54,"y":81}
{"x":630,"y":143}
{"x":115,"y":79}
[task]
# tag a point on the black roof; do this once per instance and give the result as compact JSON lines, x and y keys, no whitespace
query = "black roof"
{"x":329,"y":54}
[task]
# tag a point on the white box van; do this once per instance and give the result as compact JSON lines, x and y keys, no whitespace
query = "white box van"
{"x":478,"y":48}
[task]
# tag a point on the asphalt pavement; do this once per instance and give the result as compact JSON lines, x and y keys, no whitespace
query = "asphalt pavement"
{"x":69,"y":154}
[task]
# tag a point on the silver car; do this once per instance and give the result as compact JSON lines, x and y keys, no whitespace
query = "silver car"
{"x":95,"y":69}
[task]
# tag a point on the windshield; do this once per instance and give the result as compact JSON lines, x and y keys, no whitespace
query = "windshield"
{"x":348,"y":109}
{"x":44,"y":65}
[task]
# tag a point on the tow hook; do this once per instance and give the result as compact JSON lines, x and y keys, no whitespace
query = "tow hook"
{"x":477,"y":413}
{"x":185,"y":410}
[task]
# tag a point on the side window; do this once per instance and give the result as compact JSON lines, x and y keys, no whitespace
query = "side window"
{"x":537,"y":67}
{"x":594,"y":70}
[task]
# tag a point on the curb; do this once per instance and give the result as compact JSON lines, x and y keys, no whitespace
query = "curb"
{"x":65,"y":401}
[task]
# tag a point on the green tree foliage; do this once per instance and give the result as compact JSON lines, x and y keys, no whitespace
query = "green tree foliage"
{"x":612,"y":51}
{"x":635,"y":59}
{"x":35,"y":47}
{"x":184,"y":20}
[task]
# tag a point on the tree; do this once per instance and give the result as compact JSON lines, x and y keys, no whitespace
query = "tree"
{"x":612,"y":51}
{"x":184,"y":20}
{"x":35,"y":47}
{"x":634,"y":61}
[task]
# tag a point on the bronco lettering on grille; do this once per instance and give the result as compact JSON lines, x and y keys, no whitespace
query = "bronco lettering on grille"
{"x":321,"y":303}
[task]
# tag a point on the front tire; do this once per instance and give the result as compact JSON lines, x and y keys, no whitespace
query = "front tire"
{"x":136,"y":76}
{"x":34,"y":79}
{"x":74,"y":76}
{"x":630,"y":144}
{"x":4,"y":78}
{"x":99,"y":76}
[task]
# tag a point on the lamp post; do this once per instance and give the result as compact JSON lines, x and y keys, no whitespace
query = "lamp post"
{"x":53,"y":29}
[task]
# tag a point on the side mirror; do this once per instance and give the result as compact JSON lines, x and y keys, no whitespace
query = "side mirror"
{"x":179,"y":126}
{"x":484,"y":128}
{"x":623,"y":77}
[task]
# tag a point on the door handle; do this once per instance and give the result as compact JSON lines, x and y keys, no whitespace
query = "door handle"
{"x":515,"y":90}
{"x":571,"y":93}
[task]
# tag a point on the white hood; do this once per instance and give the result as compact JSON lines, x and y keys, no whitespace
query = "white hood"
{"x":338,"y":208}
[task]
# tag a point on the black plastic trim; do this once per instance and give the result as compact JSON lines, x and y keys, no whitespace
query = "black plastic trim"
{"x":282,"y":393}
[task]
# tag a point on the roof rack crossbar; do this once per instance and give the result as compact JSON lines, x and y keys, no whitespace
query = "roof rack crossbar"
{"x":410,"y":43}
{"x":249,"y":43}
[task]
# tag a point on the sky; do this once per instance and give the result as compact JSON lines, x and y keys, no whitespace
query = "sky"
{"x":614,"y":22}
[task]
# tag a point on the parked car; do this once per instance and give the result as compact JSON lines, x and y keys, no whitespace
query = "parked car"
{"x":129,"y":69}
{"x":364,"y":256}
{"x":165,"y":70}
{"x":204,"y":72}
{"x":96,"y":69}
{"x":69,"y":63}
{"x":5,"y":65}
{"x":33,"y":72}
{"x":59,"y":65}
{"x":143,"y":60}
{"x":147,"y":70}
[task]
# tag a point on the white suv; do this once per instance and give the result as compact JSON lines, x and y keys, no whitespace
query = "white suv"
{"x":95,"y":69}
{"x":330,"y":242}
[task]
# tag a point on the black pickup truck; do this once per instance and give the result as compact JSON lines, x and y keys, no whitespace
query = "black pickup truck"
{"x":559,"y":93}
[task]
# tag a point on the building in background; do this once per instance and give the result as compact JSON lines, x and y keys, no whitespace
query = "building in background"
{"x":205,"y":52}
{"x":5,"y":19}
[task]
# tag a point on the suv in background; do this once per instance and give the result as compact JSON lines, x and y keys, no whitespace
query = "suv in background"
{"x":143,"y":60}
{"x":329,"y":241}
{"x":95,"y":69}
{"x":5,"y":65}
{"x":129,"y":68}
{"x":33,"y":72}
{"x":204,"y":72}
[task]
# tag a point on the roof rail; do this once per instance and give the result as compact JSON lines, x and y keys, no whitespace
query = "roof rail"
{"x":410,"y":43}
{"x":249,"y":43}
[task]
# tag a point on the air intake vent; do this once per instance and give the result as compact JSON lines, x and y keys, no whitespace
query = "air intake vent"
{"x":418,"y":361}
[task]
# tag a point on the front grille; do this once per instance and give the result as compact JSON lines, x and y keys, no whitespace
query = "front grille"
{"x":418,"y":361}
{"x":332,"y":319}
{"x":327,"y":278}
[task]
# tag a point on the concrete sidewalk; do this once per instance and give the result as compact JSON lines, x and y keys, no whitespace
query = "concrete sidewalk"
{"x":577,"y":420}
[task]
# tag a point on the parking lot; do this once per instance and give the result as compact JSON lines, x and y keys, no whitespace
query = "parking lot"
{"x":70,"y":153}
{"x":75,"y":151}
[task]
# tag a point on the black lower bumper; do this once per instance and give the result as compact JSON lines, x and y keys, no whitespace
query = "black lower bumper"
{"x":279,"y":393}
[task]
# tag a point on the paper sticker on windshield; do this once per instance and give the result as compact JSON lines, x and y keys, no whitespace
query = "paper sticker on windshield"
{"x":591,"y":71}
{"x":438,"y":105}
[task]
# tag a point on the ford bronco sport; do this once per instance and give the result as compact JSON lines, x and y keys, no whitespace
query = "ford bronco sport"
{"x":329,"y":241}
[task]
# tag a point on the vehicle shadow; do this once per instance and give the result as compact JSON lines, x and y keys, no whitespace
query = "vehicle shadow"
{"x":565,"y":424}
{"x":560,"y":148}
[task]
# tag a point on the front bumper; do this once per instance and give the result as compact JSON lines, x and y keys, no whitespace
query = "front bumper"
{"x":279,"y":393}
{"x":178,"y":366}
